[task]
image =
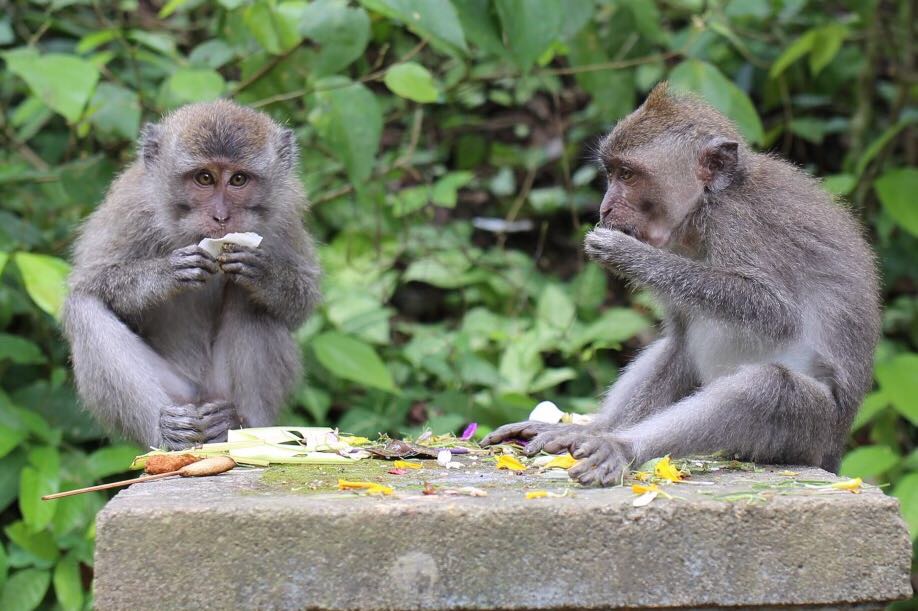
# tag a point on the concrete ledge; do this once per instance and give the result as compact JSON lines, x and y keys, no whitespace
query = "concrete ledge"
{"x":237,"y":542}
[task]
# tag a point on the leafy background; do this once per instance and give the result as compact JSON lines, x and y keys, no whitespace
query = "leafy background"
{"x":447,"y":150}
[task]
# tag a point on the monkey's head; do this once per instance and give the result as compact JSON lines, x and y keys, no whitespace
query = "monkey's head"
{"x":662,"y":161}
{"x":217,"y":168}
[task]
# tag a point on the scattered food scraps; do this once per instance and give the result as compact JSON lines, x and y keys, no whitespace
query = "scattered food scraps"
{"x":565,"y":461}
{"x":428,"y":489}
{"x":788,"y":473}
{"x":469,"y":431}
{"x":165,"y":463}
{"x":542,"y":494}
{"x":407,"y":464}
{"x":512,"y":463}
{"x":354,"y":441}
{"x":665,"y":469}
{"x":464,"y":491}
{"x":641,"y":476}
{"x":445,"y":459}
{"x":395,"y":448}
{"x":852,"y":485}
{"x":366,"y":487}
{"x":397,"y":471}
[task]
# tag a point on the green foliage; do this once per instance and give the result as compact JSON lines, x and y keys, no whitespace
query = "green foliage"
{"x":427,"y":128}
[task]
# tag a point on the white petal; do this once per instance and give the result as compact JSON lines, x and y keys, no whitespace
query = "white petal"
{"x":546,"y":411}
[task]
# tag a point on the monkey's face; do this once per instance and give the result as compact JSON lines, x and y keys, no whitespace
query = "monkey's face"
{"x":219,"y":197}
{"x":650,"y":192}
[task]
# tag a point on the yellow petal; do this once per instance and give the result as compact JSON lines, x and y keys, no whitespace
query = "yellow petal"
{"x":665,"y":469}
{"x":565,"y":461}
{"x":536,"y":494}
{"x":644,"y":488}
{"x":641,"y":476}
{"x":788,"y":473}
{"x":645,"y":499}
{"x":407,"y":464}
{"x":854,"y":485}
{"x":506,"y":461}
{"x":369,"y":487}
{"x":354,"y":441}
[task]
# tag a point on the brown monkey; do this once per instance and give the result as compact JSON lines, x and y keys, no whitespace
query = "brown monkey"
{"x":771,"y":298}
{"x":172,"y":346}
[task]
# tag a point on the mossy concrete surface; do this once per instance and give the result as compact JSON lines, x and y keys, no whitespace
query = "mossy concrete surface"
{"x":286,"y":538}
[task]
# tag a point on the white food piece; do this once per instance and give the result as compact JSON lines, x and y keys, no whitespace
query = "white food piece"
{"x":249,"y":239}
{"x":547,"y":412}
{"x":445,"y":459}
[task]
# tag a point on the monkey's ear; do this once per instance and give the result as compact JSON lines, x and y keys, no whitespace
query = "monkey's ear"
{"x":288,"y":151}
{"x":718,"y":164}
{"x":150,"y":139}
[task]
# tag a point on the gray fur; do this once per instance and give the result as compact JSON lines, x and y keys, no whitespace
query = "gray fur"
{"x":771,"y":297}
{"x":170,"y":346}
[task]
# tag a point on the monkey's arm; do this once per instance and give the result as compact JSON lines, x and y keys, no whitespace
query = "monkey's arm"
{"x":285,"y":284}
{"x":748,"y":299}
{"x":132,"y":286}
{"x":764,"y":413}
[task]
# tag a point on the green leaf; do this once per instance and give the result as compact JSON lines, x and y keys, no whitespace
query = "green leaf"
{"x":550,"y":378}
{"x":45,"y":279}
{"x":706,"y":80}
{"x":68,"y":585}
{"x":897,"y":190}
{"x":63,"y":82}
{"x":445,"y":191}
{"x":187,"y":85}
{"x":827,"y":41}
{"x":9,"y":439}
{"x":530,"y":28}
{"x":555,"y":308}
{"x":352,"y":360}
{"x":115,"y":110}
{"x":349,"y":120}
{"x":33,"y":484}
{"x":41,"y":545}
{"x":4,"y":257}
{"x":869,"y":461}
{"x":20,"y":350}
{"x":520,"y":364}
{"x":906,"y":491}
{"x":4,"y":565}
{"x":792,"y":53}
{"x":614,"y":326}
{"x":898,"y":378}
{"x":433,"y":19}
{"x":341,"y":31}
{"x":24,"y":590}
{"x":413,"y":82}
{"x":275,"y":32}
{"x":111,"y":460}
{"x":874,"y":403}
{"x":840,"y":184}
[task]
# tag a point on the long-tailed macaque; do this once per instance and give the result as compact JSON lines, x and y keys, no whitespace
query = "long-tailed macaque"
{"x":770,"y":291}
{"x":172,"y":346}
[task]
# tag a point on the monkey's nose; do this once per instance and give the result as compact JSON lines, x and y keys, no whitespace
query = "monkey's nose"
{"x":221,"y":218}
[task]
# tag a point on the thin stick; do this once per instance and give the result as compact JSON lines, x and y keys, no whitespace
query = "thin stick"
{"x":125,"y":482}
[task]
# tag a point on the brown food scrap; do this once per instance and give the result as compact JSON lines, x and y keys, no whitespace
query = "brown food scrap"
{"x":429,"y":489}
{"x":166,"y":463}
{"x":209,"y":466}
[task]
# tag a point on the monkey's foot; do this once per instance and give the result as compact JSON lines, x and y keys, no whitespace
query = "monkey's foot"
{"x":216,"y":418}
{"x":602,"y":458}
{"x":179,"y":426}
{"x":521,"y":430}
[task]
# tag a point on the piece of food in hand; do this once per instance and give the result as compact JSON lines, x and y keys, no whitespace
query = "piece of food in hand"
{"x":166,"y":463}
{"x":208,"y":466}
{"x":214,"y":246}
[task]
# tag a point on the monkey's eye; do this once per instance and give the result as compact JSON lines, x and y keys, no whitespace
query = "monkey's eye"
{"x":625,"y":174}
{"x":204,"y":178}
{"x":238,"y":179}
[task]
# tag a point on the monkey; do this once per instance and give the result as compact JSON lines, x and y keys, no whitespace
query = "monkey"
{"x":171,"y":346}
{"x":770,"y":295}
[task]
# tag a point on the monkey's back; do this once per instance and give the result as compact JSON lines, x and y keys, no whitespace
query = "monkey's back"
{"x":817,"y":249}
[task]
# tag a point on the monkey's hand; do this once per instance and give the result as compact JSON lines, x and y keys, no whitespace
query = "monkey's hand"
{"x":614,"y":249}
{"x":191,"y":265}
{"x":602,"y":459}
{"x":521,"y":430}
{"x":248,"y":267}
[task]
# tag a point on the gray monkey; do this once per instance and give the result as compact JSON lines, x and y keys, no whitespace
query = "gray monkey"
{"x":770,"y":292}
{"x":172,"y":346}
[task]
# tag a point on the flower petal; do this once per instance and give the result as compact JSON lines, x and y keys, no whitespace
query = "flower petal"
{"x":512,"y":463}
{"x":469,"y":431}
{"x":565,"y":461}
{"x":852,"y":485}
{"x":407,"y":464}
{"x":665,"y":469}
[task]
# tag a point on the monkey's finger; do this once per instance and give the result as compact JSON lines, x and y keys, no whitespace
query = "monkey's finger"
{"x":239,"y":269}
{"x":560,"y":443}
{"x":194,"y":249}
{"x":192,"y":275}
{"x":197,"y":261}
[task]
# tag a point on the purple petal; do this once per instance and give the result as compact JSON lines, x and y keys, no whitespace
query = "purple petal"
{"x":458,"y":450}
{"x":469,"y":431}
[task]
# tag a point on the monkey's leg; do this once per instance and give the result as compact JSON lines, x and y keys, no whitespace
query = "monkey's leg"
{"x":655,"y":379}
{"x":764,"y":413}
{"x":255,"y":366}
{"x":123,"y":381}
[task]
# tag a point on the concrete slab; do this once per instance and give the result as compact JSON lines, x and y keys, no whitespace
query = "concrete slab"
{"x":284,"y":539}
